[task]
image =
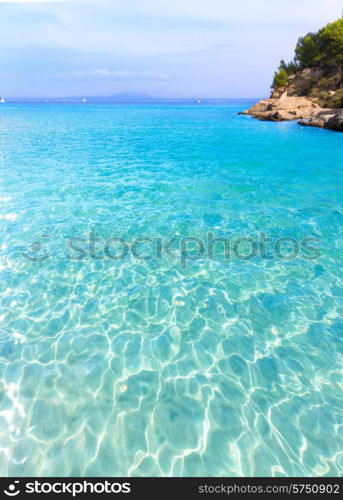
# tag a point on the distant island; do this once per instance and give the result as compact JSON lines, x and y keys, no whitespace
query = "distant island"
{"x":310,"y":87}
{"x":121,"y":98}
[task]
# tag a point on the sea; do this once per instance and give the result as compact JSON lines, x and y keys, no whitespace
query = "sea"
{"x":171,"y":298}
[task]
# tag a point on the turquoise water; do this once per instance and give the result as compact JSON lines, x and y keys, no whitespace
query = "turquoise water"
{"x":208,"y":365}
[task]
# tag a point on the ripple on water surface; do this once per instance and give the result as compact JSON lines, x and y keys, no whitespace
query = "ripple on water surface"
{"x":148,"y":367}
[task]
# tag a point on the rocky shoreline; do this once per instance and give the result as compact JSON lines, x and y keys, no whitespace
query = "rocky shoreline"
{"x":309,"y":88}
{"x":331,"y":119}
{"x":283,"y":107}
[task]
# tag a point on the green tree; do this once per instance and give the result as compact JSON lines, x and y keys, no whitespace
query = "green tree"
{"x":307,"y":51}
{"x":323,"y":48}
{"x":330,"y":41}
{"x":280,"y":79}
{"x":290,"y":67}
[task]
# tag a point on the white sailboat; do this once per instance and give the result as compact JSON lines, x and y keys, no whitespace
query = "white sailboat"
{"x":84,"y":100}
{"x":2,"y":99}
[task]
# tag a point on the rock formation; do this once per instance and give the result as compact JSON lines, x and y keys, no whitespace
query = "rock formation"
{"x":284,"y":108}
{"x":329,"y":118}
{"x":310,"y":87}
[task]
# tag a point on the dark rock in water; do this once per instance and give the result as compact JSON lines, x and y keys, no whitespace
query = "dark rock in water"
{"x":336,"y":121}
{"x":331,"y":119}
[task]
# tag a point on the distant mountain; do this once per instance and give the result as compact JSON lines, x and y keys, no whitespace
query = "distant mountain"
{"x":122,"y":97}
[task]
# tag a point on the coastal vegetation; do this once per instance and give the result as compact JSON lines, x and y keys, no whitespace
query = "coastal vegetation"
{"x":310,"y":87}
{"x":316,"y":70}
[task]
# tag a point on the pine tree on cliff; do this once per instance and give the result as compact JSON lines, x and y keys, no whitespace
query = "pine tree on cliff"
{"x":321,"y":50}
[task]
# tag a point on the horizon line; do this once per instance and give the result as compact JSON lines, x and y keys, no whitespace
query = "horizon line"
{"x":123,"y":96}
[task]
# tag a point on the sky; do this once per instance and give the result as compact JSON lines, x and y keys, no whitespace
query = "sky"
{"x":166,"y":48}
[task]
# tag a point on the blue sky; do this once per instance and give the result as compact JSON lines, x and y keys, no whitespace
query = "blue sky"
{"x":172,"y":48}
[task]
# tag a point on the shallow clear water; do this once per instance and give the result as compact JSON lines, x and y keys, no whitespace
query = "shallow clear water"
{"x":168,"y":366}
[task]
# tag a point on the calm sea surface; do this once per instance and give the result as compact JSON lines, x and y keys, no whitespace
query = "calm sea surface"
{"x":131,"y":343}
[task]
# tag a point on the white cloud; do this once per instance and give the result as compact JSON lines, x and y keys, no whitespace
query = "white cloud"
{"x":207,"y":46}
{"x":91,"y":72}
{"x":34,"y":1}
{"x":118,"y":74}
{"x":152,"y":27}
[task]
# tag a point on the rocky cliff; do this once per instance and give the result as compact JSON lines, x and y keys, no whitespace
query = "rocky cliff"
{"x":307,"y":110}
{"x":284,"y":107}
{"x":309,"y":88}
{"x":320,"y":83}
